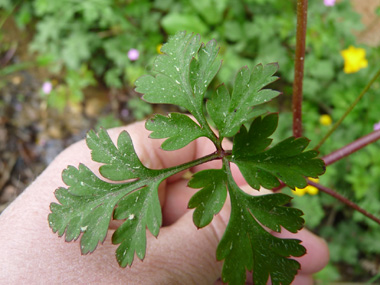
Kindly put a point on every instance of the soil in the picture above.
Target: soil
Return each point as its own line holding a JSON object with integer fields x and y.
{"x": 370, "y": 35}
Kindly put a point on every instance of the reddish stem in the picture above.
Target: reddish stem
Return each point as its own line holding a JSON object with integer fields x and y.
{"x": 344, "y": 200}
{"x": 299, "y": 67}
{"x": 351, "y": 148}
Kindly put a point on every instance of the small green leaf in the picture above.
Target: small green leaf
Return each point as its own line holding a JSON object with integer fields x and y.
{"x": 210, "y": 199}
{"x": 178, "y": 128}
{"x": 88, "y": 203}
{"x": 86, "y": 206}
{"x": 287, "y": 161}
{"x": 270, "y": 212}
{"x": 174, "y": 22}
{"x": 121, "y": 162}
{"x": 245, "y": 245}
{"x": 204, "y": 69}
{"x": 229, "y": 112}
{"x": 211, "y": 10}
{"x": 171, "y": 84}
{"x": 257, "y": 139}
{"x": 183, "y": 74}
{"x": 142, "y": 210}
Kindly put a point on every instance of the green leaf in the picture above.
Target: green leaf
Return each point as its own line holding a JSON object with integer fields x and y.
{"x": 178, "y": 128}
{"x": 77, "y": 48}
{"x": 257, "y": 139}
{"x": 142, "y": 210}
{"x": 88, "y": 203}
{"x": 270, "y": 212}
{"x": 175, "y": 22}
{"x": 229, "y": 112}
{"x": 181, "y": 78}
{"x": 121, "y": 162}
{"x": 210, "y": 199}
{"x": 210, "y": 10}
{"x": 287, "y": 161}
{"x": 245, "y": 245}
{"x": 86, "y": 206}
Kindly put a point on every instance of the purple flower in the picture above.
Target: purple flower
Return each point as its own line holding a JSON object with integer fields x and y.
{"x": 329, "y": 2}
{"x": 133, "y": 54}
{"x": 47, "y": 87}
{"x": 376, "y": 127}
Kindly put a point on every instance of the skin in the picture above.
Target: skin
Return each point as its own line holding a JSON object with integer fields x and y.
{"x": 182, "y": 254}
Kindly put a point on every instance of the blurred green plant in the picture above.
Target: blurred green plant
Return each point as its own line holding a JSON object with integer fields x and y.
{"x": 70, "y": 91}
{"x": 140, "y": 108}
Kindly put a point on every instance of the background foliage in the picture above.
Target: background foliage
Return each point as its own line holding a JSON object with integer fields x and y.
{"x": 86, "y": 43}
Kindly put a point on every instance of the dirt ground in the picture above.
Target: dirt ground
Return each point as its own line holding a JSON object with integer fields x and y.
{"x": 371, "y": 34}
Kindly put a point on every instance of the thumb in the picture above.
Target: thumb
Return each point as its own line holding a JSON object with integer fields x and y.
{"x": 187, "y": 254}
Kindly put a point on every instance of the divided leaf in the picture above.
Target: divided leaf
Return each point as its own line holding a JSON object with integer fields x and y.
{"x": 86, "y": 206}
{"x": 257, "y": 139}
{"x": 121, "y": 161}
{"x": 178, "y": 128}
{"x": 287, "y": 161}
{"x": 183, "y": 73}
{"x": 210, "y": 199}
{"x": 229, "y": 112}
{"x": 245, "y": 245}
{"x": 181, "y": 77}
{"x": 270, "y": 212}
{"x": 142, "y": 210}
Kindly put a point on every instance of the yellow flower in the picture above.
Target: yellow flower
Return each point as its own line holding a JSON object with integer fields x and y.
{"x": 308, "y": 189}
{"x": 299, "y": 191}
{"x": 325, "y": 120}
{"x": 354, "y": 59}
{"x": 158, "y": 49}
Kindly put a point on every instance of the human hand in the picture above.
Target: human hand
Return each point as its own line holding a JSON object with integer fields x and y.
{"x": 181, "y": 254}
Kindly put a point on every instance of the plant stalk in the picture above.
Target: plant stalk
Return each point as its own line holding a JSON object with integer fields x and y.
{"x": 351, "y": 148}
{"x": 337, "y": 124}
{"x": 299, "y": 67}
{"x": 175, "y": 169}
{"x": 344, "y": 200}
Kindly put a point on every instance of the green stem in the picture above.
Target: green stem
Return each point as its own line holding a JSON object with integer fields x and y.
{"x": 337, "y": 124}
{"x": 211, "y": 135}
{"x": 162, "y": 174}
{"x": 176, "y": 169}
{"x": 299, "y": 67}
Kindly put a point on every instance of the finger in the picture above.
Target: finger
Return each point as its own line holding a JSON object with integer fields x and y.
{"x": 303, "y": 280}
{"x": 184, "y": 245}
{"x": 176, "y": 202}
{"x": 180, "y": 255}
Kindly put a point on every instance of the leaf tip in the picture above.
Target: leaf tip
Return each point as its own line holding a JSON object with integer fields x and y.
{"x": 275, "y": 64}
